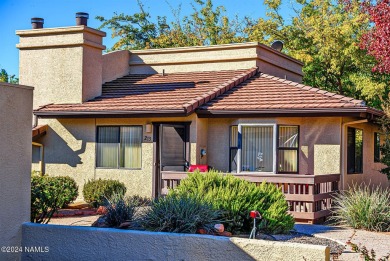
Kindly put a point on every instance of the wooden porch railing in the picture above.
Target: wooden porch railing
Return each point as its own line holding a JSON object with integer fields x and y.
{"x": 309, "y": 196}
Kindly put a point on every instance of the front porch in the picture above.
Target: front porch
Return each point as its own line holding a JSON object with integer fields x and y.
{"x": 309, "y": 196}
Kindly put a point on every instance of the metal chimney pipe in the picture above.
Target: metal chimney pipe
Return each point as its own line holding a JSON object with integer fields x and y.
{"x": 82, "y": 18}
{"x": 37, "y": 23}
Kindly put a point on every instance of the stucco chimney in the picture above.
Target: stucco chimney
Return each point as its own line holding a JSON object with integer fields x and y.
{"x": 82, "y": 18}
{"x": 63, "y": 64}
{"x": 37, "y": 23}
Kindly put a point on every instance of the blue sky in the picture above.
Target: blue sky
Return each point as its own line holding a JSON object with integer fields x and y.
{"x": 16, "y": 15}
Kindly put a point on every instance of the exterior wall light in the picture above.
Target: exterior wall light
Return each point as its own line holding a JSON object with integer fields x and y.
{"x": 148, "y": 128}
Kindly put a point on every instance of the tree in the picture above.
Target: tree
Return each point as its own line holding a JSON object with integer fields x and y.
{"x": 206, "y": 25}
{"x": 133, "y": 31}
{"x": 4, "y": 77}
{"x": 325, "y": 36}
{"x": 376, "y": 40}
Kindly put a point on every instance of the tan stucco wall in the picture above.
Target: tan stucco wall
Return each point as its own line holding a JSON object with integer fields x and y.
{"x": 70, "y": 150}
{"x": 319, "y": 142}
{"x": 213, "y": 58}
{"x": 63, "y": 64}
{"x": 15, "y": 164}
{"x": 371, "y": 174}
{"x": 115, "y": 65}
{"x": 56, "y": 80}
{"x": 201, "y": 140}
{"x": 122, "y": 244}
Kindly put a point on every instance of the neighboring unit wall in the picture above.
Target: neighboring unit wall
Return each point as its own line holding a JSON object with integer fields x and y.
{"x": 15, "y": 162}
{"x": 216, "y": 58}
{"x": 70, "y": 149}
{"x": 115, "y": 65}
{"x": 371, "y": 170}
{"x": 319, "y": 151}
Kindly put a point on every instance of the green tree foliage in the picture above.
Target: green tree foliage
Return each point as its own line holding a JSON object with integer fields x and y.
{"x": 385, "y": 139}
{"x": 206, "y": 25}
{"x": 4, "y": 77}
{"x": 325, "y": 35}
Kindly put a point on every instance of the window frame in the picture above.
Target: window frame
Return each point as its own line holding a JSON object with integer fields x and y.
{"x": 287, "y": 148}
{"x": 232, "y": 148}
{"x": 118, "y": 147}
{"x": 239, "y": 151}
{"x": 362, "y": 164}
{"x": 377, "y": 144}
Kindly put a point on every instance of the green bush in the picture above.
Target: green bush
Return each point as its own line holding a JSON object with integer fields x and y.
{"x": 95, "y": 191}
{"x": 236, "y": 198}
{"x": 362, "y": 207}
{"x": 120, "y": 210}
{"x": 180, "y": 214}
{"x": 48, "y": 194}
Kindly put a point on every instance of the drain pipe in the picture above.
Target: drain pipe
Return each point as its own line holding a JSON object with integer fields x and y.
{"x": 343, "y": 149}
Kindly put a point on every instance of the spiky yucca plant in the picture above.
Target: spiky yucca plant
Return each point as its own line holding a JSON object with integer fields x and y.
{"x": 363, "y": 207}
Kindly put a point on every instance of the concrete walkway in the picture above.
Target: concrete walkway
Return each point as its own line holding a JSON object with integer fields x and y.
{"x": 380, "y": 242}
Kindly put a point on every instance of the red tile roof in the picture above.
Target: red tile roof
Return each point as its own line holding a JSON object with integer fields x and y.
{"x": 180, "y": 92}
{"x": 39, "y": 131}
{"x": 221, "y": 92}
{"x": 266, "y": 93}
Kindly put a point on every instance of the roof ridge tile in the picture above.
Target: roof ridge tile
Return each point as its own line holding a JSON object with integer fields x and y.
{"x": 219, "y": 90}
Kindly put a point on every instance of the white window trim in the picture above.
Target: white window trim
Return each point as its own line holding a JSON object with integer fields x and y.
{"x": 240, "y": 147}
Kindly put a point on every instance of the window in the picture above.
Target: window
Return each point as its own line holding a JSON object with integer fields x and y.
{"x": 377, "y": 151}
{"x": 288, "y": 149}
{"x": 119, "y": 147}
{"x": 254, "y": 148}
{"x": 354, "y": 151}
{"x": 233, "y": 148}
{"x": 257, "y": 148}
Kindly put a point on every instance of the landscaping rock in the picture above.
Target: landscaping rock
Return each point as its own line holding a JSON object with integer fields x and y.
{"x": 219, "y": 228}
{"x": 225, "y": 234}
{"x": 100, "y": 222}
{"x": 202, "y": 231}
{"x": 101, "y": 210}
{"x": 125, "y": 225}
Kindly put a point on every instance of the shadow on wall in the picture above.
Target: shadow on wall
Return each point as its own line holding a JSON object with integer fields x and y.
{"x": 65, "y": 144}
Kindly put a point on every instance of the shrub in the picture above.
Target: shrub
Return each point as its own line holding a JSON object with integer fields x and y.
{"x": 95, "y": 191}
{"x": 236, "y": 198}
{"x": 180, "y": 214}
{"x": 120, "y": 210}
{"x": 363, "y": 208}
{"x": 48, "y": 194}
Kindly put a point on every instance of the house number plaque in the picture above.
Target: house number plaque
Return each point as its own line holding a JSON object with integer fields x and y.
{"x": 147, "y": 139}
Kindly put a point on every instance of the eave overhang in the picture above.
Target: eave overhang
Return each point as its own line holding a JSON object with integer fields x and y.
{"x": 111, "y": 114}
{"x": 363, "y": 112}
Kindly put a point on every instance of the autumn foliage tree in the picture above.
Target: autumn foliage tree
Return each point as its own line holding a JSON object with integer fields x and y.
{"x": 376, "y": 41}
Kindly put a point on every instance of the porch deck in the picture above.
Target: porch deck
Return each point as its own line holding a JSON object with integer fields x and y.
{"x": 309, "y": 196}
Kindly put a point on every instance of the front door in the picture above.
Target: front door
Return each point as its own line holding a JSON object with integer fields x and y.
{"x": 172, "y": 151}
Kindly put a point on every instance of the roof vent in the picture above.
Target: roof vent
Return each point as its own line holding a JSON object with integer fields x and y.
{"x": 82, "y": 18}
{"x": 277, "y": 45}
{"x": 37, "y": 23}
